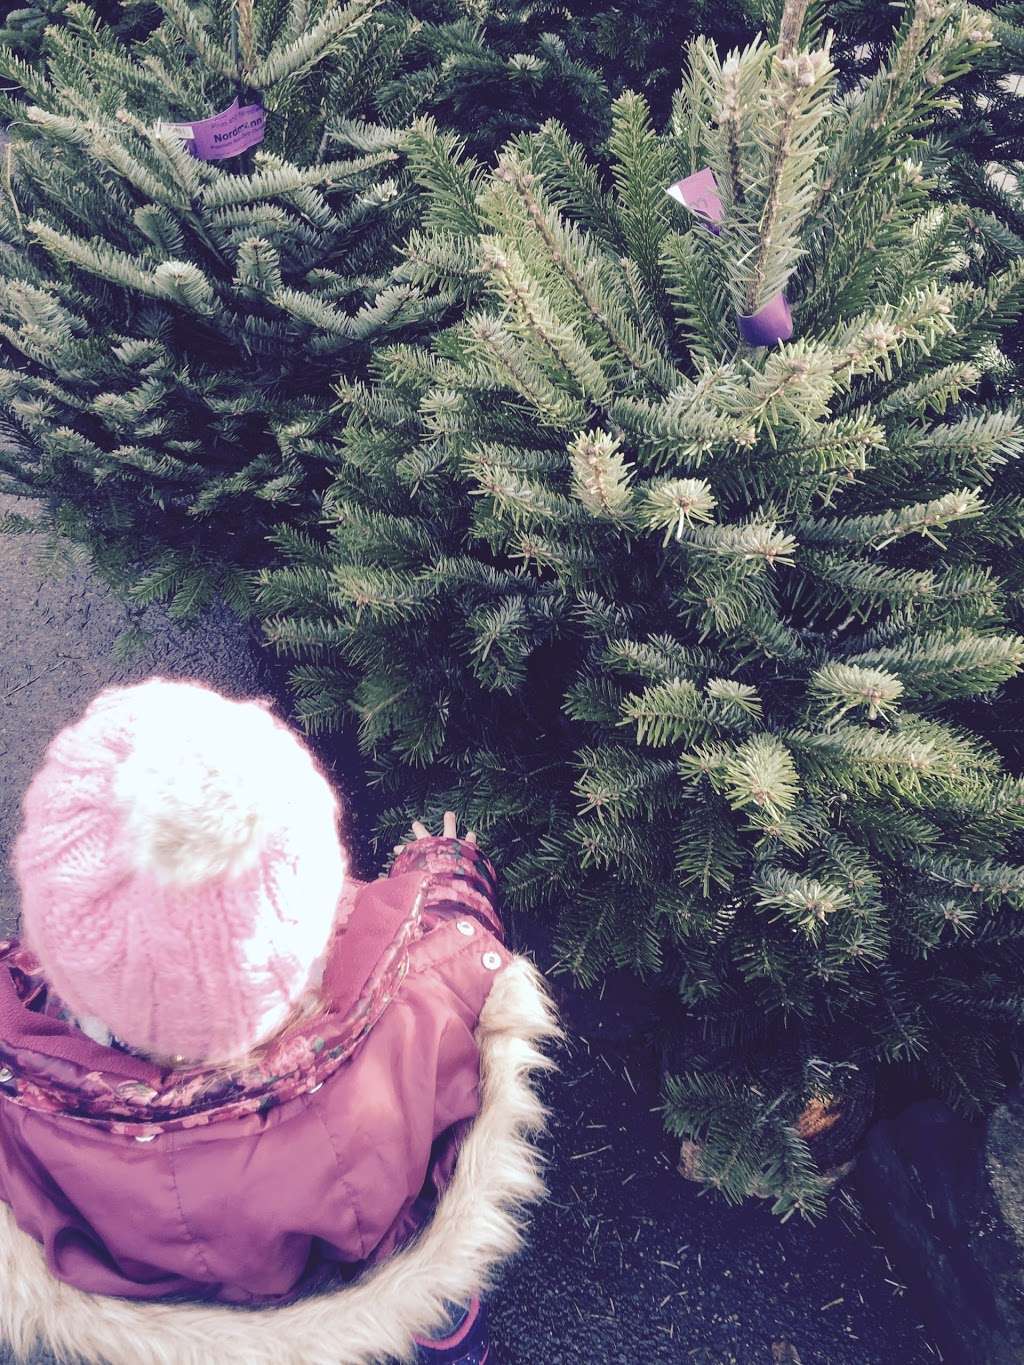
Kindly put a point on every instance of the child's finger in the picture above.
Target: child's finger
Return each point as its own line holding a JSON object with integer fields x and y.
{"x": 449, "y": 824}
{"x": 399, "y": 848}
{"x": 420, "y": 830}
{"x": 471, "y": 837}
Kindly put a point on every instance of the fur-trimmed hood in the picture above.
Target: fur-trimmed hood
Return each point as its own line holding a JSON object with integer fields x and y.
{"x": 478, "y": 1224}
{"x": 407, "y": 1166}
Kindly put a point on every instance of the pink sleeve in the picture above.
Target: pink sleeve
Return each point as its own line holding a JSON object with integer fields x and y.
{"x": 462, "y": 881}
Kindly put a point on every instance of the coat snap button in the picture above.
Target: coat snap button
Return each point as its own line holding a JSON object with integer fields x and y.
{"x": 492, "y": 961}
{"x": 6, "y": 1074}
{"x": 146, "y": 1137}
{"x": 464, "y": 927}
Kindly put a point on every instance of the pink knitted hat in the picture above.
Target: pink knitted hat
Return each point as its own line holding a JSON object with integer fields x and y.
{"x": 180, "y": 869}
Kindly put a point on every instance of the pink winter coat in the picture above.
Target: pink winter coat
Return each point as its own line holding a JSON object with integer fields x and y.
{"x": 331, "y": 1153}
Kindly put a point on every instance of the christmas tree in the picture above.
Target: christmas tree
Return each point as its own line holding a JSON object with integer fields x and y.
{"x": 173, "y": 316}
{"x": 669, "y": 564}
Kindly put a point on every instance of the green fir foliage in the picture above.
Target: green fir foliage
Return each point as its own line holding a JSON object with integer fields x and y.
{"x": 685, "y": 628}
{"x": 170, "y": 327}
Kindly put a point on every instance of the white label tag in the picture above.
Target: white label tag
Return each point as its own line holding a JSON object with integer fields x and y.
{"x": 184, "y": 130}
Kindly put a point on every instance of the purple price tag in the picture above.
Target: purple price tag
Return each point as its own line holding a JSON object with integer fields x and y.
{"x": 226, "y": 134}
{"x": 699, "y": 194}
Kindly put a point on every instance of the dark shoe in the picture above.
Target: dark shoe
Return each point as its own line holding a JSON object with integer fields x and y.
{"x": 466, "y": 1342}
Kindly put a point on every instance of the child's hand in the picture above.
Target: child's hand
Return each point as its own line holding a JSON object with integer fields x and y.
{"x": 447, "y": 832}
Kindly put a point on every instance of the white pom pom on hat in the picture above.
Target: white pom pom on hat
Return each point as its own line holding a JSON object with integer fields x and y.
{"x": 200, "y": 804}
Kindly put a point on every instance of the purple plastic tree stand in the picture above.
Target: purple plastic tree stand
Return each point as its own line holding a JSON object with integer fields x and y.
{"x": 771, "y": 324}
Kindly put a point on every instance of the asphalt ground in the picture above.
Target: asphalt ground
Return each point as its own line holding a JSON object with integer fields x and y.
{"x": 627, "y": 1263}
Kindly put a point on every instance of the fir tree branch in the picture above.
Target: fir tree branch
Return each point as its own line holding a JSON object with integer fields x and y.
{"x": 298, "y": 56}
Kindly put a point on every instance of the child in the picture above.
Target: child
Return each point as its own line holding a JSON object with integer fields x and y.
{"x": 230, "y": 1074}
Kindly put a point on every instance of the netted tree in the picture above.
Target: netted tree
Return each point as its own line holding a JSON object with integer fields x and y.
{"x": 683, "y": 623}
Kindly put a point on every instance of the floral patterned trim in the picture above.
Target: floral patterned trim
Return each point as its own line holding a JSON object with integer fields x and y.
{"x": 462, "y": 878}
{"x": 304, "y": 1057}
